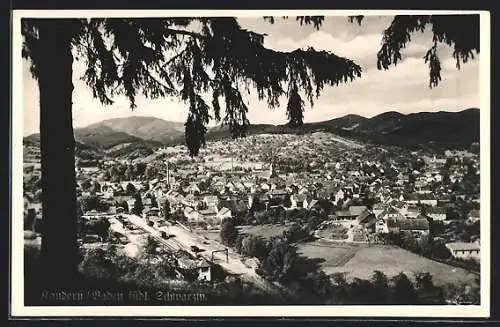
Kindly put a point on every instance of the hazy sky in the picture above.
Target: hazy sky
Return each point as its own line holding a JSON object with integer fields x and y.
{"x": 403, "y": 88}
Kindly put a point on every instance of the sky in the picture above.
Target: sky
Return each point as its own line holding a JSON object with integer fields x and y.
{"x": 402, "y": 88}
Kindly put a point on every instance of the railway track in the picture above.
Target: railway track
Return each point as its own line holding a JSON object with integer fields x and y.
{"x": 246, "y": 275}
{"x": 153, "y": 233}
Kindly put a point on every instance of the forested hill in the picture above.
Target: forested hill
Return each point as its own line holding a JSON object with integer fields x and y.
{"x": 448, "y": 129}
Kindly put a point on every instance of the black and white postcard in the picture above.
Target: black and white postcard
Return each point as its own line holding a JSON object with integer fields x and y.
{"x": 250, "y": 163}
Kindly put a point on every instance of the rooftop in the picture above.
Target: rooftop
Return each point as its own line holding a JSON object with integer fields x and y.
{"x": 463, "y": 246}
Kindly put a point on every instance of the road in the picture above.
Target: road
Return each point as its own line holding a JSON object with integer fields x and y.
{"x": 183, "y": 239}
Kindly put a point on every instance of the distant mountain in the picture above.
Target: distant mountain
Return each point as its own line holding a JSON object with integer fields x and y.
{"x": 82, "y": 150}
{"x": 146, "y": 128}
{"x": 102, "y": 137}
{"x": 383, "y": 123}
{"x": 452, "y": 129}
{"x": 448, "y": 129}
{"x": 348, "y": 122}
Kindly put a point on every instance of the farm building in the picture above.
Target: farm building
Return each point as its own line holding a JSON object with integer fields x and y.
{"x": 463, "y": 250}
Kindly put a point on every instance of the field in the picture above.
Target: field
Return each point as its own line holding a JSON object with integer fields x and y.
{"x": 265, "y": 231}
{"x": 336, "y": 232}
{"x": 361, "y": 260}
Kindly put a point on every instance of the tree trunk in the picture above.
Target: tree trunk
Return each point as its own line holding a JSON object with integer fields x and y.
{"x": 59, "y": 253}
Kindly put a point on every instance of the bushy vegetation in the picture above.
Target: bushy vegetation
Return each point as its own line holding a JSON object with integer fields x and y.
{"x": 278, "y": 261}
{"x": 425, "y": 245}
{"x": 228, "y": 233}
{"x": 98, "y": 227}
{"x": 111, "y": 270}
{"x": 94, "y": 203}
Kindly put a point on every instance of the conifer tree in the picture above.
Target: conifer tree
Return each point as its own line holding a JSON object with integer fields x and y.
{"x": 185, "y": 58}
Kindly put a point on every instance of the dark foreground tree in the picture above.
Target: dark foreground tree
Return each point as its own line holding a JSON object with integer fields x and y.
{"x": 52, "y": 65}
{"x": 184, "y": 57}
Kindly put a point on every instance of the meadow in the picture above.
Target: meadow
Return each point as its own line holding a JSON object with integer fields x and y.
{"x": 361, "y": 260}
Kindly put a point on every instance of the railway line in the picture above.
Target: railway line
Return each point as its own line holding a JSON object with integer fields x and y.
{"x": 183, "y": 239}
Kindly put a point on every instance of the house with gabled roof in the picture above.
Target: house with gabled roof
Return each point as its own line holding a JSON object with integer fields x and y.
{"x": 278, "y": 193}
{"x": 419, "y": 225}
{"x": 190, "y": 200}
{"x": 473, "y": 216}
{"x": 192, "y": 188}
{"x": 299, "y": 200}
{"x": 248, "y": 185}
{"x": 366, "y": 218}
{"x": 200, "y": 266}
{"x": 436, "y": 213}
{"x": 412, "y": 211}
{"x": 400, "y": 206}
{"x": 339, "y": 195}
{"x": 351, "y": 213}
{"x": 464, "y": 250}
{"x": 211, "y": 200}
{"x": 224, "y": 213}
{"x": 240, "y": 186}
{"x": 422, "y": 198}
{"x": 379, "y": 208}
{"x": 384, "y": 220}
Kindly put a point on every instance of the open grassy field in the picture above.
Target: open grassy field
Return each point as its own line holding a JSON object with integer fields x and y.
{"x": 266, "y": 231}
{"x": 361, "y": 260}
{"x": 337, "y": 232}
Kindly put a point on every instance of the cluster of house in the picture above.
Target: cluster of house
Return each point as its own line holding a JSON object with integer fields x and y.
{"x": 390, "y": 217}
{"x": 206, "y": 194}
{"x": 210, "y": 197}
{"x": 400, "y": 216}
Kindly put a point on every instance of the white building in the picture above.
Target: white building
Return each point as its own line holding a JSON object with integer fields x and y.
{"x": 463, "y": 250}
{"x": 436, "y": 213}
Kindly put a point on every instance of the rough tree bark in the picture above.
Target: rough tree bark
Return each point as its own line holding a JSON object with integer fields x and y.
{"x": 59, "y": 253}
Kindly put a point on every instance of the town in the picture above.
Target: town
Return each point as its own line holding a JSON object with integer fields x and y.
{"x": 332, "y": 198}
